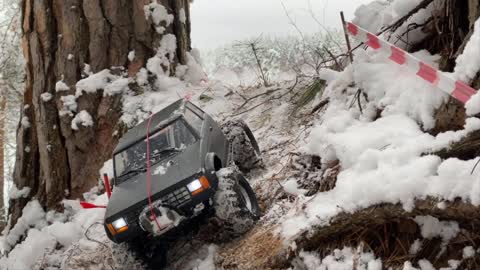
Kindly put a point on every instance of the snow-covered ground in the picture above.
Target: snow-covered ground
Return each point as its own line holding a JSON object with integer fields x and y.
{"x": 383, "y": 158}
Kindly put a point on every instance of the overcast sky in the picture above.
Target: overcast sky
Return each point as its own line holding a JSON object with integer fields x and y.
{"x": 216, "y": 22}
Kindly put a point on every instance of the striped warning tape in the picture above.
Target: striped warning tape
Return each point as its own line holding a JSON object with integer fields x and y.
{"x": 457, "y": 89}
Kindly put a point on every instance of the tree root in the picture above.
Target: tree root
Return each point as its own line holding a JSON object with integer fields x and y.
{"x": 388, "y": 231}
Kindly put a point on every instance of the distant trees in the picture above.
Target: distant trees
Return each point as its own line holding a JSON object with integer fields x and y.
{"x": 305, "y": 55}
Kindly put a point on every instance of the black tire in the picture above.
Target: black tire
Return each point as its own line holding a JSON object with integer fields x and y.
{"x": 243, "y": 146}
{"x": 236, "y": 205}
{"x": 147, "y": 253}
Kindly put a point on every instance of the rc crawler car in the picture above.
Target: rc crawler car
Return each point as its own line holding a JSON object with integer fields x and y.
{"x": 196, "y": 168}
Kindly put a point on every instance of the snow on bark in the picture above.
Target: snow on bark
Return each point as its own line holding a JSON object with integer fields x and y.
{"x": 183, "y": 16}
{"x": 83, "y": 118}
{"x": 94, "y": 82}
{"x": 25, "y": 122}
{"x": 158, "y": 14}
{"x": 46, "y": 97}
{"x": 70, "y": 105}
{"x": 131, "y": 56}
{"x": 16, "y": 193}
{"x": 61, "y": 86}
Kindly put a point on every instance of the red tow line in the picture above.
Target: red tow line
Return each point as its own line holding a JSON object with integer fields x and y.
{"x": 106, "y": 182}
{"x": 149, "y": 191}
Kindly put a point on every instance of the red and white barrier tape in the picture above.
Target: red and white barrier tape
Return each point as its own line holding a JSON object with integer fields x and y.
{"x": 457, "y": 89}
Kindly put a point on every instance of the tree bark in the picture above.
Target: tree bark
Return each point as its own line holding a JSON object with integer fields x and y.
{"x": 3, "y": 103}
{"x": 59, "y": 38}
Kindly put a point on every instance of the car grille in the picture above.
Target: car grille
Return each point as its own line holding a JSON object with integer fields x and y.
{"x": 177, "y": 197}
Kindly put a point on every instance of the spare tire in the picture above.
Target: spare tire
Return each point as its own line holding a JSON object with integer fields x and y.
{"x": 235, "y": 203}
{"x": 244, "y": 150}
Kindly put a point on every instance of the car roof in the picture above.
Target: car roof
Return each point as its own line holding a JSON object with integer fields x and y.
{"x": 137, "y": 133}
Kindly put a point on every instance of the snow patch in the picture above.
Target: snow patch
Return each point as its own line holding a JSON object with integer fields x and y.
{"x": 65, "y": 233}
{"x": 468, "y": 252}
{"x": 341, "y": 259}
{"x": 160, "y": 170}
{"x": 384, "y": 161}
{"x": 94, "y": 82}
{"x": 107, "y": 168}
{"x": 182, "y": 16}
{"x": 432, "y": 227}
{"x": 208, "y": 263}
{"x": 131, "y": 56}
{"x": 32, "y": 216}
{"x": 194, "y": 72}
{"x": 69, "y": 105}
{"x": 46, "y": 97}
{"x": 159, "y": 14}
{"x": 291, "y": 187}
{"x": 25, "y": 122}
{"x": 61, "y": 86}
{"x": 415, "y": 247}
{"x": 118, "y": 86}
{"x": 468, "y": 63}
{"x": 16, "y": 193}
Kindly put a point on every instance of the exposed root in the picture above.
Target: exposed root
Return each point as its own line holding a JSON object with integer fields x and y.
{"x": 466, "y": 149}
{"x": 389, "y": 231}
{"x": 255, "y": 251}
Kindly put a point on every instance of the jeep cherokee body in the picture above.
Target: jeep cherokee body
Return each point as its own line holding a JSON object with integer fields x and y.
{"x": 187, "y": 147}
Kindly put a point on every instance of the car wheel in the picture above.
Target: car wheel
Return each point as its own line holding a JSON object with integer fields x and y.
{"x": 236, "y": 205}
{"x": 142, "y": 253}
{"x": 244, "y": 149}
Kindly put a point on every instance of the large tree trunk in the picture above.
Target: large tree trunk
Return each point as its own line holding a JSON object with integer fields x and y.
{"x": 60, "y": 38}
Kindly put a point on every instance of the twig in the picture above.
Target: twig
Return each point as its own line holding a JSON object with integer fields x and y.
{"x": 400, "y": 21}
{"x": 91, "y": 239}
{"x": 346, "y": 36}
{"x": 358, "y": 100}
{"x": 339, "y": 67}
{"x": 320, "y": 105}
{"x": 274, "y": 98}
{"x": 356, "y": 97}
{"x": 246, "y": 100}
{"x": 312, "y": 14}
{"x": 254, "y": 47}
{"x": 474, "y": 167}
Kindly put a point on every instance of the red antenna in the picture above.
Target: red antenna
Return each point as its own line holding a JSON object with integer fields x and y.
{"x": 106, "y": 182}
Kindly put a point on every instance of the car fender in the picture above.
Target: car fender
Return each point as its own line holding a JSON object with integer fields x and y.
{"x": 212, "y": 164}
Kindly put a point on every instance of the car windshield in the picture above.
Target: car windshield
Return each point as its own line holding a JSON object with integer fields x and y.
{"x": 163, "y": 144}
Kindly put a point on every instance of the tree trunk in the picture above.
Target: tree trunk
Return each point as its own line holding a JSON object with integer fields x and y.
{"x": 59, "y": 38}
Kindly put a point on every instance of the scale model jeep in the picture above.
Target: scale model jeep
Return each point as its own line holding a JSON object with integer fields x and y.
{"x": 195, "y": 168}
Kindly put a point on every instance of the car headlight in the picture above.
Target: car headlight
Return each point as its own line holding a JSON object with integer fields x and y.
{"x": 198, "y": 185}
{"x": 119, "y": 223}
{"x": 118, "y": 226}
{"x": 194, "y": 185}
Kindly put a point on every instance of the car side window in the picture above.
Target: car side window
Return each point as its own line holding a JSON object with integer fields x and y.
{"x": 193, "y": 119}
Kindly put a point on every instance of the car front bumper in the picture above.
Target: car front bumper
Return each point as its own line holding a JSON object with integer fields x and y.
{"x": 187, "y": 208}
